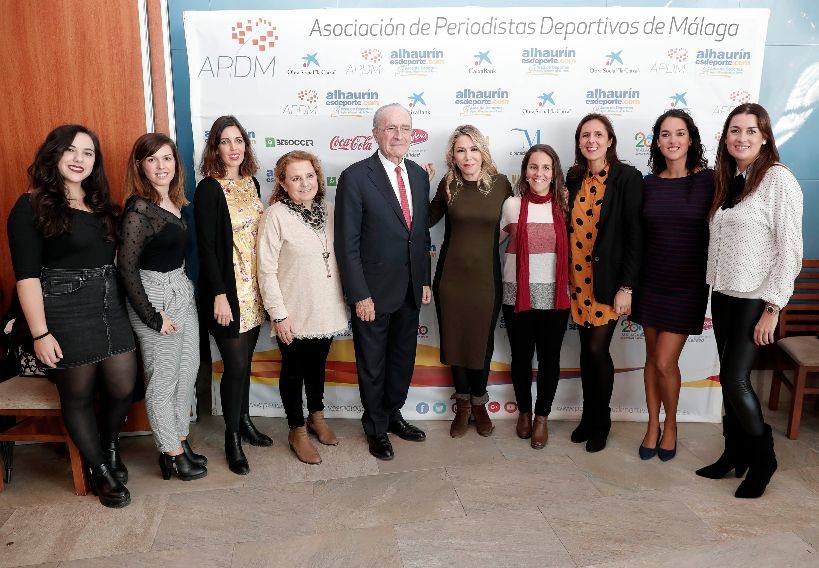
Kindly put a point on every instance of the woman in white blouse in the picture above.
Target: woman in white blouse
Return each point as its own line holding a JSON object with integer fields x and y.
{"x": 754, "y": 256}
{"x": 301, "y": 290}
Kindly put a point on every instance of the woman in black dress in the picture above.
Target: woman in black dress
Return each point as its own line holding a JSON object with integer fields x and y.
{"x": 672, "y": 296}
{"x": 62, "y": 239}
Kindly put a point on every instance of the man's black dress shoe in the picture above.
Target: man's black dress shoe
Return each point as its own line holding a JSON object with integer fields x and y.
{"x": 406, "y": 431}
{"x": 380, "y": 446}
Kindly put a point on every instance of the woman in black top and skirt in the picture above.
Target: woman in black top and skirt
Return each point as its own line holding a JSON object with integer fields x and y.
{"x": 672, "y": 296}
{"x": 62, "y": 240}
{"x": 227, "y": 211}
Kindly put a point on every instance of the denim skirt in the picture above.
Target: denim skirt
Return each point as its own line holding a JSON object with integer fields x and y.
{"x": 85, "y": 312}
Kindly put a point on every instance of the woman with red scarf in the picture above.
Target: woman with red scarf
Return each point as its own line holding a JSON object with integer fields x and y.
{"x": 535, "y": 285}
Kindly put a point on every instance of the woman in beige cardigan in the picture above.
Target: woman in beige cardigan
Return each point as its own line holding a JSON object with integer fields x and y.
{"x": 301, "y": 290}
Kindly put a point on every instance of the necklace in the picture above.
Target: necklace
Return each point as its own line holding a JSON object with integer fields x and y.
{"x": 326, "y": 254}
{"x": 314, "y": 219}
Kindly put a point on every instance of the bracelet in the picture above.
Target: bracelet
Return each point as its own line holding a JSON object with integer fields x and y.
{"x": 626, "y": 289}
{"x": 280, "y": 320}
{"x": 41, "y": 336}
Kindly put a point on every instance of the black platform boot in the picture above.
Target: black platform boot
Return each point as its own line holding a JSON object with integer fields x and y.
{"x": 181, "y": 467}
{"x": 760, "y": 452}
{"x": 192, "y": 456}
{"x": 600, "y": 431}
{"x": 250, "y": 434}
{"x": 113, "y": 459}
{"x": 108, "y": 488}
{"x": 237, "y": 462}
{"x": 732, "y": 457}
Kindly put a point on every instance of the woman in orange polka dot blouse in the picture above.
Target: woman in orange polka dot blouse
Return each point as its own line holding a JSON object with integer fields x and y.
{"x": 605, "y": 247}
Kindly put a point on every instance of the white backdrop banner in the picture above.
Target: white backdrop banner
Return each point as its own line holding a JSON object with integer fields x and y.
{"x": 311, "y": 79}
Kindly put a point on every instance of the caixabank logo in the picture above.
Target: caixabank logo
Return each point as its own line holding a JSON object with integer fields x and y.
{"x": 351, "y": 103}
{"x": 309, "y": 64}
{"x": 719, "y": 63}
{"x": 253, "y": 40}
{"x": 416, "y": 62}
{"x": 417, "y": 104}
{"x": 303, "y": 103}
{"x": 548, "y": 61}
{"x": 369, "y": 62}
{"x": 674, "y": 62}
{"x": 481, "y": 102}
{"x": 546, "y": 103}
{"x": 481, "y": 64}
{"x": 678, "y": 100}
{"x": 613, "y": 63}
{"x": 613, "y": 101}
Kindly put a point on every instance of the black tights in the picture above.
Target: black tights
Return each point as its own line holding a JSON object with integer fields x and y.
{"x": 596, "y": 368}
{"x": 734, "y": 322}
{"x": 77, "y": 387}
{"x": 234, "y": 389}
{"x": 303, "y": 363}
{"x": 470, "y": 381}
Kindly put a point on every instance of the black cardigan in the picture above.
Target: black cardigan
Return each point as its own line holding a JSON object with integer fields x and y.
{"x": 618, "y": 248}
{"x": 214, "y": 241}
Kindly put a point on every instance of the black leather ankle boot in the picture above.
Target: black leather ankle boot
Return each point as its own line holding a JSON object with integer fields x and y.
{"x": 192, "y": 456}
{"x": 108, "y": 488}
{"x": 113, "y": 459}
{"x": 250, "y": 434}
{"x": 237, "y": 462}
{"x": 181, "y": 467}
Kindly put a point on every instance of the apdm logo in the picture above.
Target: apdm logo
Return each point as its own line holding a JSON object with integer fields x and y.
{"x": 309, "y": 65}
{"x": 546, "y": 103}
{"x": 416, "y": 62}
{"x": 716, "y": 63}
{"x": 481, "y": 63}
{"x": 730, "y": 102}
{"x": 255, "y": 39}
{"x": 478, "y": 102}
{"x": 613, "y": 63}
{"x": 368, "y": 63}
{"x": 418, "y": 104}
{"x": 613, "y": 101}
{"x": 351, "y": 103}
{"x": 305, "y": 104}
{"x": 260, "y": 33}
{"x": 675, "y": 62}
{"x": 548, "y": 61}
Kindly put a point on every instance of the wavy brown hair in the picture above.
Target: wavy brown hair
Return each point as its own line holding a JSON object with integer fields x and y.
{"x": 580, "y": 166}
{"x": 212, "y": 164}
{"x": 48, "y": 190}
{"x": 488, "y": 168}
{"x": 556, "y": 186}
{"x": 694, "y": 158}
{"x": 725, "y": 165}
{"x": 279, "y": 192}
{"x": 136, "y": 183}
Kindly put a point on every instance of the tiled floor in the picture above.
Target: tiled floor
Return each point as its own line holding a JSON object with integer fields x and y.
{"x": 470, "y": 502}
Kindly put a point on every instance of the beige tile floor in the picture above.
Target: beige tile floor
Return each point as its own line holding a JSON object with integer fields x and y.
{"x": 470, "y": 502}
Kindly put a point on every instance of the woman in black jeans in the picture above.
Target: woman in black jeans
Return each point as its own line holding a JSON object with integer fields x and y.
{"x": 754, "y": 256}
{"x": 605, "y": 244}
{"x": 227, "y": 210}
{"x": 62, "y": 240}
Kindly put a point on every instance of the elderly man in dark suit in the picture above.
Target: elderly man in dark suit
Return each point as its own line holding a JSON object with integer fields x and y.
{"x": 382, "y": 248}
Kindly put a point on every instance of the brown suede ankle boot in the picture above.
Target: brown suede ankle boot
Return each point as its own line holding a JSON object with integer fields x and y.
{"x": 302, "y": 446}
{"x": 540, "y": 432}
{"x": 317, "y": 425}
{"x": 524, "y": 426}
{"x": 460, "y": 424}
{"x": 483, "y": 424}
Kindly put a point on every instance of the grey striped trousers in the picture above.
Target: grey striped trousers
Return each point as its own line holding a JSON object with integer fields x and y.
{"x": 171, "y": 361}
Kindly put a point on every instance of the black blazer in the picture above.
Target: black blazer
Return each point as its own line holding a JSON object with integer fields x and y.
{"x": 214, "y": 242}
{"x": 618, "y": 248}
{"x": 377, "y": 254}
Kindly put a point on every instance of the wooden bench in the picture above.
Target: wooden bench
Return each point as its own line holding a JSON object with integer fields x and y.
{"x": 35, "y": 404}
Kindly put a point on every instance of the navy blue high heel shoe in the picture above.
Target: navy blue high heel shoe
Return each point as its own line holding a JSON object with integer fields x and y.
{"x": 664, "y": 454}
{"x": 648, "y": 453}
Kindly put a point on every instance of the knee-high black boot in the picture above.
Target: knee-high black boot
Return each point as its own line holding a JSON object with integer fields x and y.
{"x": 762, "y": 460}
{"x": 733, "y": 457}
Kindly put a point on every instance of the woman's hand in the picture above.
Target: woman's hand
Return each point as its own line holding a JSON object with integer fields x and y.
{"x": 622, "y": 303}
{"x": 430, "y": 169}
{"x": 765, "y": 327}
{"x": 48, "y": 351}
{"x": 221, "y": 310}
{"x": 168, "y": 325}
{"x": 284, "y": 330}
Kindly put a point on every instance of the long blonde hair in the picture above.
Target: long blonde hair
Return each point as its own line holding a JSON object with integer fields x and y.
{"x": 488, "y": 168}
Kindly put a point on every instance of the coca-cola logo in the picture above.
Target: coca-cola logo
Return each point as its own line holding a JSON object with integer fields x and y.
{"x": 708, "y": 324}
{"x": 363, "y": 143}
{"x": 418, "y": 136}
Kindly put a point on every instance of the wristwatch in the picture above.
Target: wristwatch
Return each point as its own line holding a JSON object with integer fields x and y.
{"x": 771, "y": 308}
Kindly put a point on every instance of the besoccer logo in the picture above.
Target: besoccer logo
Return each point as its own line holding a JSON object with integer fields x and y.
{"x": 259, "y": 32}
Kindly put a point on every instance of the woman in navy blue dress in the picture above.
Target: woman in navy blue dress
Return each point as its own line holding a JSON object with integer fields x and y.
{"x": 671, "y": 299}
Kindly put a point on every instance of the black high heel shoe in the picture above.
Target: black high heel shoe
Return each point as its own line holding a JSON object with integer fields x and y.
{"x": 111, "y": 492}
{"x": 237, "y": 462}
{"x": 192, "y": 456}
{"x": 181, "y": 467}
{"x": 113, "y": 460}
{"x": 648, "y": 453}
{"x": 251, "y": 434}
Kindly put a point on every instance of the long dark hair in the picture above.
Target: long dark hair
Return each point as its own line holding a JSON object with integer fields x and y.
{"x": 212, "y": 164}
{"x": 694, "y": 159}
{"x": 48, "y": 191}
{"x": 556, "y": 186}
{"x": 725, "y": 165}
{"x": 135, "y": 181}
{"x": 580, "y": 166}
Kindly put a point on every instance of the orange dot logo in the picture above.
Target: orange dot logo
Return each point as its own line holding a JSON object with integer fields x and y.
{"x": 260, "y": 33}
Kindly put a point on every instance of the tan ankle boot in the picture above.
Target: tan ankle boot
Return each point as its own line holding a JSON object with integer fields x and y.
{"x": 483, "y": 424}
{"x": 317, "y": 425}
{"x": 302, "y": 446}
{"x": 540, "y": 432}
{"x": 524, "y": 426}
{"x": 460, "y": 424}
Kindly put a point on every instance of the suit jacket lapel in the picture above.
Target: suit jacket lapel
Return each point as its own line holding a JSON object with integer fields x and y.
{"x": 381, "y": 181}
